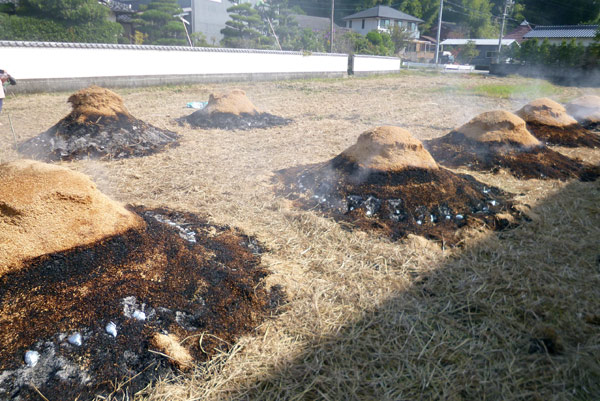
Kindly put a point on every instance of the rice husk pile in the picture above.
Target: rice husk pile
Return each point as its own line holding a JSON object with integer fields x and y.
{"x": 98, "y": 127}
{"x": 232, "y": 110}
{"x": 46, "y": 208}
{"x": 586, "y": 109}
{"x": 94, "y": 102}
{"x": 106, "y": 295}
{"x": 233, "y": 102}
{"x": 548, "y": 121}
{"x": 389, "y": 149}
{"x": 499, "y": 139}
{"x": 388, "y": 183}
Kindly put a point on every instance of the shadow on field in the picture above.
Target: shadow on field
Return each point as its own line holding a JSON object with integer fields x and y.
{"x": 513, "y": 316}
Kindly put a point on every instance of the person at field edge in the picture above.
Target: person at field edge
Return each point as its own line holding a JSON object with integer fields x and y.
{"x": 4, "y": 77}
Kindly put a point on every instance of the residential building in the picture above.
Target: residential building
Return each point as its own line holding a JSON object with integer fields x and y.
{"x": 488, "y": 49}
{"x": 382, "y": 18}
{"x": 556, "y": 34}
{"x": 209, "y": 16}
{"x": 122, "y": 13}
{"x": 519, "y": 32}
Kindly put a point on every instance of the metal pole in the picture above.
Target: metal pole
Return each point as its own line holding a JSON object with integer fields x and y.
{"x": 502, "y": 30}
{"x": 13, "y": 131}
{"x": 332, "y": 32}
{"x": 439, "y": 31}
{"x": 274, "y": 34}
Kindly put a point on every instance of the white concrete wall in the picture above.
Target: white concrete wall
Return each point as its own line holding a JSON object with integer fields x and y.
{"x": 50, "y": 67}
{"x": 367, "y": 64}
{"x": 25, "y": 62}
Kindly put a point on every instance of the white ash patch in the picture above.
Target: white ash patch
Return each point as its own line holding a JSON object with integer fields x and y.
{"x": 49, "y": 366}
{"x": 184, "y": 232}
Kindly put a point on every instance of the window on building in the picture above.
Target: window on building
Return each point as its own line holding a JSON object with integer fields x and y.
{"x": 491, "y": 54}
{"x": 413, "y": 26}
{"x": 384, "y": 23}
{"x": 350, "y": 24}
{"x": 363, "y": 24}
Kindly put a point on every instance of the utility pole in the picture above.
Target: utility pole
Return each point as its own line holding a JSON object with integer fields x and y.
{"x": 331, "y": 32}
{"x": 507, "y": 3}
{"x": 439, "y": 31}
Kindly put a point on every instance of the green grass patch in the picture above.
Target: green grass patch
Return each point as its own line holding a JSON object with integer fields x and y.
{"x": 527, "y": 89}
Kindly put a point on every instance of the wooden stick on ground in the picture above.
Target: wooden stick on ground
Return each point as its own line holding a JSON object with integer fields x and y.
{"x": 13, "y": 130}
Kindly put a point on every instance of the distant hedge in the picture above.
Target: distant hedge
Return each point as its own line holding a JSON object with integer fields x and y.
{"x": 567, "y": 54}
{"x": 13, "y": 27}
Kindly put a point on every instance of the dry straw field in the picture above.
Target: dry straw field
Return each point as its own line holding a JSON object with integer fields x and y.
{"x": 511, "y": 315}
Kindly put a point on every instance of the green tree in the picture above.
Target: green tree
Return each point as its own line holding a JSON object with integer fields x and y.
{"x": 310, "y": 40}
{"x": 158, "y": 21}
{"x": 199, "y": 39}
{"x": 276, "y": 14}
{"x": 570, "y": 12}
{"x": 245, "y": 29}
{"x": 400, "y": 37}
{"x": 59, "y": 20}
{"x": 568, "y": 54}
{"x": 468, "y": 52}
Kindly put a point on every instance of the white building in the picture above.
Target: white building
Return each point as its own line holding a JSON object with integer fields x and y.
{"x": 209, "y": 16}
{"x": 382, "y": 18}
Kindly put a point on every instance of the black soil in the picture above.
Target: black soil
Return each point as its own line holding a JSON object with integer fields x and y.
{"x": 187, "y": 276}
{"x": 570, "y": 136}
{"x": 432, "y": 203}
{"x": 99, "y": 137}
{"x": 456, "y": 150}
{"x": 229, "y": 121}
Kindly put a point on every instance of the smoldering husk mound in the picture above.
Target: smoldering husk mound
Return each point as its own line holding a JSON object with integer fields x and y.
{"x": 232, "y": 110}
{"x": 172, "y": 288}
{"x": 548, "y": 121}
{"x": 98, "y": 127}
{"x": 500, "y": 140}
{"x": 389, "y": 183}
{"x": 586, "y": 110}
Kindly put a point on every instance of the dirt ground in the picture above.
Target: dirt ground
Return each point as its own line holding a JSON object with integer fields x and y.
{"x": 509, "y": 315}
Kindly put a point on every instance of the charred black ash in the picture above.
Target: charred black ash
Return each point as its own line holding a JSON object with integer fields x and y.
{"x": 229, "y": 121}
{"x": 75, "y": 321}
{"x": 105, "y": 138}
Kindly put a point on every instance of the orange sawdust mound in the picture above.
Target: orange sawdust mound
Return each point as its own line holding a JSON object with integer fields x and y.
{"x": 93, "y": 102}
{"x": 232, "y": 111}
{"x": 46, "y": 208}
{"x": 549, "y": 122}
{"x": 389, "y": 149}
{"x": 232, "y": 102}
{"x": 585, "y": 109}
{"x": 388, "y": 183}
{"x": 500, "y": 127}
{"x": 546, "y": 111}
{"x": 498, "y": 140}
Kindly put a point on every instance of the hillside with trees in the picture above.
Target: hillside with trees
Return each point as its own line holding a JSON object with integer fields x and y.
{"x": 58, "y": 21}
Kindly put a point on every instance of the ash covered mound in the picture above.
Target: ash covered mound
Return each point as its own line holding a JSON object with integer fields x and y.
{"x": 98, "y": 127}
{"x": 46, "y": 208}
{"x": 499, "y": 139}
{"x": 586, "y": 109}
{"x": 548, "y": 121}
{"x": 169, "y": 292}
{"x": 231, "y": 111}
{"x": 389, "y": 183}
